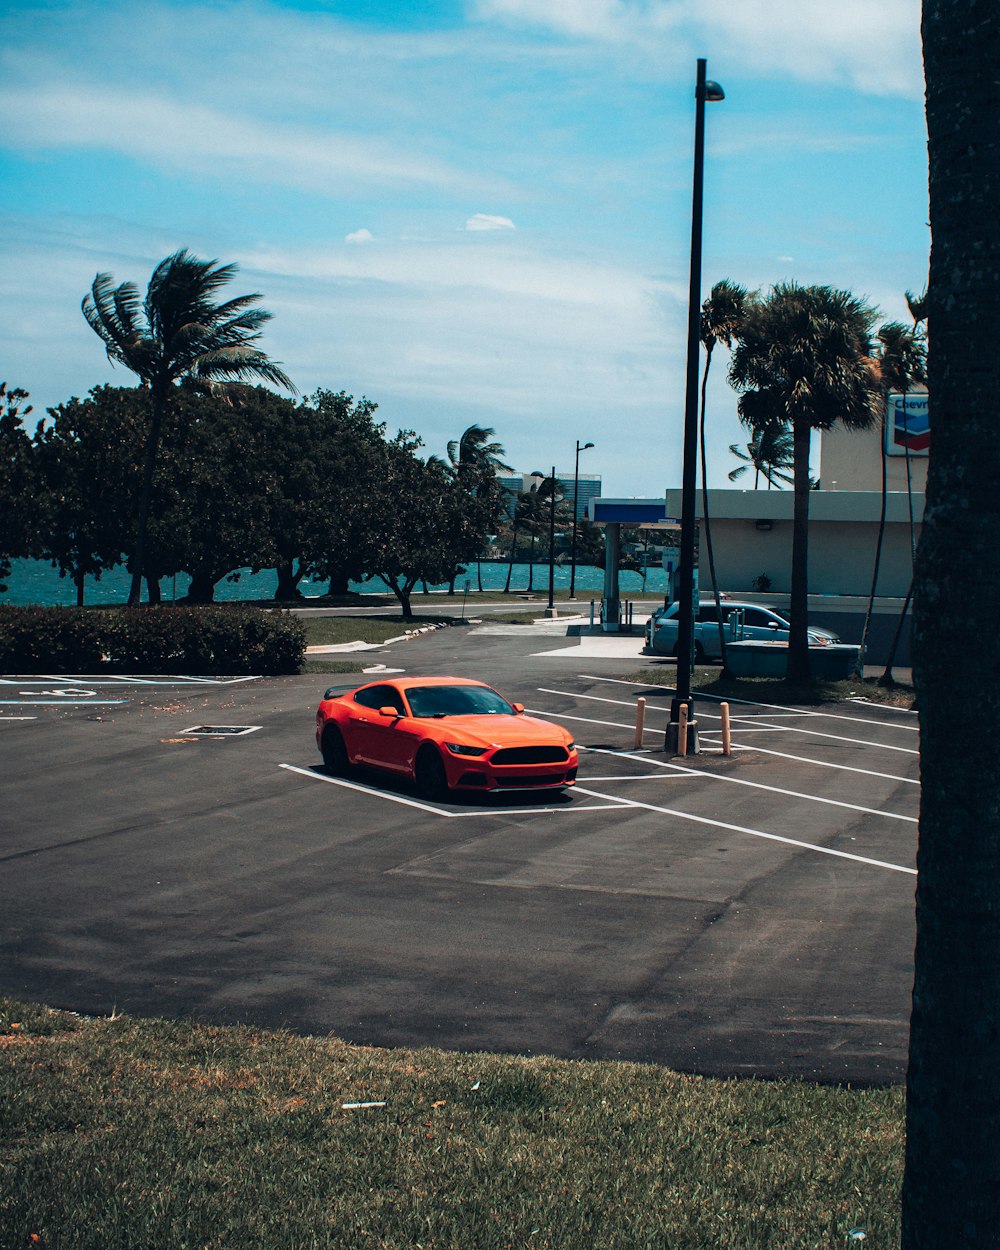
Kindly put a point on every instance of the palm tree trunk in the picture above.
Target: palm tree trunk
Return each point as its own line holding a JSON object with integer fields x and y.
{"x": 798, "y": 639}
{"x": 860, "y": 670}
{"x": 513, "y": 554}
{"x": 887, "y": 678}
{"x": 704, "y": 509}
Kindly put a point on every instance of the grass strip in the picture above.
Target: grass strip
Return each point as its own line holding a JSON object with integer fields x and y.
{"x": 124, "y": 1133}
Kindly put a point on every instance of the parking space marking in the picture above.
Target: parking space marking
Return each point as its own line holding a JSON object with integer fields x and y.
{"x": 437, "y": 811}
{"x": 759, "y": 833}
{"x": 742, "y": 781}
{"x": 801, "y": 759}
{"x": 718, "y": 698}
{"x": 793, "y": 729}
{"x": 59, "y": 702}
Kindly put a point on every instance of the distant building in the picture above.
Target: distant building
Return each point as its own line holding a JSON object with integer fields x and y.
{"x": 588, "y": 487}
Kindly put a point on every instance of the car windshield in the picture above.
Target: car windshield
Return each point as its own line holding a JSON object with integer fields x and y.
{"x": 457, "y": 701}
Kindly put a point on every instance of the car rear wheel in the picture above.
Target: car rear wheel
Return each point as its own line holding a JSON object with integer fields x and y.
{"x": 699, "y": 653}
{"x": 432, "y": 780}
{"x": 334, "y": 752}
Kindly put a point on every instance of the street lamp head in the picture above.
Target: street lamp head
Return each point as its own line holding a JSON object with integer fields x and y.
{"x": 585, "y": 446}
{"x": 713, "y": 92}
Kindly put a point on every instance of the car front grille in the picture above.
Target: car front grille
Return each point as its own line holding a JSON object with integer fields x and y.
{"x": 530, "y": 755}
{"x": 529, "y": 781}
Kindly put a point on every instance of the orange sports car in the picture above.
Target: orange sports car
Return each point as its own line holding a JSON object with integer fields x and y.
{"x": 445, "y": 733}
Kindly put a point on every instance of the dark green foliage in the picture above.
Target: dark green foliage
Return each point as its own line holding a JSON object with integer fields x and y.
{"x": 224, "y": 640}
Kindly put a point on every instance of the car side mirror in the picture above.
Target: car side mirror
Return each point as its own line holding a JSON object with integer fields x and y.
{"x": 518, "y": 708}
{"x": 390, "y": 712}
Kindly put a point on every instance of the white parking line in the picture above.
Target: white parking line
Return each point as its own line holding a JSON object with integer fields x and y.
{"x": 801, "y": 759}
{"x": 742, "y": 781}
{"x": 718, "y": 698}
{"x": 437, "y": 811}
{"x": 759, "y": 833}
{"x": 844, "y": 768}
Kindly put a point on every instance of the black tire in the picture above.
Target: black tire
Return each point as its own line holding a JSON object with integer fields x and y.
{"x": 334, "y": 752}
{"x": 432, "y": 780}
{"x": 699, "y": 653}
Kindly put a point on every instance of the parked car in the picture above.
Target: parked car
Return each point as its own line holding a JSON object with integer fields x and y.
{"x": 444, "y": 733}
{"x": 755, "y": 623}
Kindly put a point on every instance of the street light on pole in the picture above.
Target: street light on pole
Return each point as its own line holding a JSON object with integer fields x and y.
{"x": 576, "y": 490}
{"x": 705, "y": 91}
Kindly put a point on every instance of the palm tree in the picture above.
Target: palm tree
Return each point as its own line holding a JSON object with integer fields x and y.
{"x": 769, "y": 454}
{"x": 177, "y": 332}
{"x": 476, "y": 458}
{"x": 721, "y": 318}
{"x": 951, "y": 1180}
{"x": 803, "y": 352}
{"x": 900, "y": 362}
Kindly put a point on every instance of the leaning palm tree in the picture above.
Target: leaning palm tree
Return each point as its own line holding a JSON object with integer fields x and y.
{"x": 177, "y": 332}
{"x": 769, "y": 454}
{"x": 803, "y": 351}
{"x": 476, "y": 459}
{"x": 721, "y": 317}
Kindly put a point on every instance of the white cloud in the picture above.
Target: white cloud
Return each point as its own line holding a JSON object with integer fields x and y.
{"x": 203, "y": 140}
{"x": 359, "y": 236}
{"x": 874, "y": 47}
{"x": 488, "y": 221}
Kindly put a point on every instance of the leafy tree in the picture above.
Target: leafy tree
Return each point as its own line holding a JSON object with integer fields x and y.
{"x": 804, "y": 352}
{"x": 951, "y": 1183}
{"x": 349, "y": 444}
{"x": 178, "y": 331}
{"x": 17, "y": 480}
{"x": 420, "y": 520}
{"x": 88, "y": 456}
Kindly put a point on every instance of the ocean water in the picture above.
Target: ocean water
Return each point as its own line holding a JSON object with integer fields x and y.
{"x": 35, "y": 582}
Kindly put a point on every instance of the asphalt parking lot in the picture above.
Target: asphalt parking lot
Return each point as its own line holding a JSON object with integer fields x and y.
{"x": 742, "y": 915}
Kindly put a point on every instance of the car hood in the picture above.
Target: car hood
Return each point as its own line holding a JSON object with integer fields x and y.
{"x": 500, "y": 731}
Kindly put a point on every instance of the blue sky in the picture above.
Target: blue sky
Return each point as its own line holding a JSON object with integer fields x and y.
{"x": 468, "y": 212}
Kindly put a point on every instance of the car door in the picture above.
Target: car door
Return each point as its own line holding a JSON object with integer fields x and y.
{"x": 759, "y": 625}
{"x": 383, "y": 741}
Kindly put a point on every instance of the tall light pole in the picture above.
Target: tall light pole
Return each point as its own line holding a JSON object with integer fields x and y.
{"x": 576, "y": 490}
{"x": 704, "y": 91}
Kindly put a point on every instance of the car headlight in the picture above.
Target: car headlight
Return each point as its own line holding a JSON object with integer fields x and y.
{"x": 459, "y": 748}
{"x": 570, "y": 746}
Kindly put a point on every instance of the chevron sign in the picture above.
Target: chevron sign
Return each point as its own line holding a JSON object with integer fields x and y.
{"x": 909, "y": 427}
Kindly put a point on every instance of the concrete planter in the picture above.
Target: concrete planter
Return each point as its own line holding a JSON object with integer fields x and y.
{"x": 770, "y": 659}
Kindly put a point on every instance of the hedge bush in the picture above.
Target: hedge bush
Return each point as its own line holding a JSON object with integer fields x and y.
{"x": 211, "y": 641}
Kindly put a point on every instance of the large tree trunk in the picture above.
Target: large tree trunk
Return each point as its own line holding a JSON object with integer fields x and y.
{"x": 798, "y": 640}
{"x": 202, "y": 588}
{"x": 288, "y": 581}
{"x": 951, "y": 1187}
{"x": 158, "y": 404}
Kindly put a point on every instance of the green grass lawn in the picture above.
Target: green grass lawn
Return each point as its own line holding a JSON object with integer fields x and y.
{"x": 120, "y": 1134}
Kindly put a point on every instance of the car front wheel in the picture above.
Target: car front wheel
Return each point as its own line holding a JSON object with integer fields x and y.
{"x": 432, "y": 780}
{"x": 334, "y": 752}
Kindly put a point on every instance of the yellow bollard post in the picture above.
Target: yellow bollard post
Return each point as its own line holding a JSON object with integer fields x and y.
{"x": 727, "y": 742}
{"x": 682, "y": 729}
{"x": 640, "y": 721}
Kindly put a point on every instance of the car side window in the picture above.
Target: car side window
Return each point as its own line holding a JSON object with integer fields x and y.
{"x": 380, "y": 696}
{"x": 707, "y": 614}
